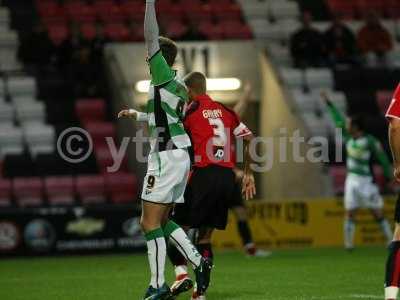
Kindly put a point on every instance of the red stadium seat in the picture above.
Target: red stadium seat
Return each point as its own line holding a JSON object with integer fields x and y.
{"x": 175, "y": 29}
{"x": 5, "y": 192}
{"x": 80, "y": 12}
{"x": 88, "y": 31}
{"x": 28, "y": 191}
{"x": 60, "y": 190}
{"x": 90, "y": 110}
{"x": 121, "y": 187}
{"x": 58, "y": 33}
{"x": 224, "y": 11}
{"x": 133, "y": 11}
{"x": 105, "y": 160}
{"x": 345, "y": 8}
{"x": 99, "y": 131}
{"x": 383, "y": 99}
{"x": 338, "y": 174}
{"x": 236, "y": 30}
{"x": 110, "y": 13}
{"x": 199, "y": 13}
{"x": 211, "y": 31}
{"x": 91, "y": 189}
{"x": 364, "y": 7}
{"x": 117, "y": 32}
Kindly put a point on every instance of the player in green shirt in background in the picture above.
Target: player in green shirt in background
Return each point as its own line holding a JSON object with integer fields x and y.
{"x": 168, "y": 163}
{"x": 360, "y": 189}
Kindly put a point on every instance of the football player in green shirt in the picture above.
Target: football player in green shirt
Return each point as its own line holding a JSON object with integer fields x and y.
{"x": 360, "y": 189}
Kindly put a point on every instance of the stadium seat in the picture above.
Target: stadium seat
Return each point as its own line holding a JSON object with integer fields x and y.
{"x": 254, "y": 10}
{"x": 116, "y": 31}
{"x": 175, "y": 29}
{"x": 293, "y": 78}
{"x": 79, "y": 11}
{"x": 91, "y": 189}
{"x": 88, "y": 30}
{"x": 284, "y": 9}
{"x": 58, "y": 33}
{"x": 5, "y": 192}
{"x": 226, "y": 11}
{"x": 121, "y": 187}
{"x": 60, "y": 190}
{"x": 133, "y": 10}
{"x": 319, "y": 79}
{"x": 51, "y": 164}
{"x": 40, "y": 138}
{"x": 236, "y": 30}
{"x": 99, "y": 131}
{"x": 199, "y": 13}
{"x": 338, "y": 98}
{"x": 318, "y": 126}
{"x": 344, "y": 8}
{"x": 21, "y": 86}
{"x": 338, "y": 174}
{"x": 28, "y": 191}
{"x": 105, "y": 160}
{"x": 280, "y": 55}
{"x": 110, "y": 13}
{"x": 11, "y": 141}
{"x": 211, "y": 30}
{"x": 31, "y": 112}
{"x": 6, "y": 113}
{"x": 305, "y": 102}
{"x": 88, "y": 110}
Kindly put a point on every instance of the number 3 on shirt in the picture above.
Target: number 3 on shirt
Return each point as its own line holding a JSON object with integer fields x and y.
{"x": 220, "y": 138}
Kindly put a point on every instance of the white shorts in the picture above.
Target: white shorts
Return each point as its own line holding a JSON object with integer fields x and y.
{"x": 360, "y": 191}
{"x": 166, "y": 177}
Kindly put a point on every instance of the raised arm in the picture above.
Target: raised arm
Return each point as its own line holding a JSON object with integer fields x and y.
{"x": 336, "y": 115}
{"x": 151, "y": 30}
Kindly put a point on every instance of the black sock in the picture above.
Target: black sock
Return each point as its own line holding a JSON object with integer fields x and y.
{"x": 393, "y": 265}
{"x": 176, "y": 258}
{"x": 244, "y": 232}
{"x": 205, "y": 251}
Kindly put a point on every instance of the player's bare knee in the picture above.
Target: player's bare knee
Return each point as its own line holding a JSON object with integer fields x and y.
{"x": 396, "y": 234}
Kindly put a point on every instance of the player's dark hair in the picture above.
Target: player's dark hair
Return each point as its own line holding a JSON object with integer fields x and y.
{"x": 358, "y": 121}
{"x": 197, "y": 82}
{"x": 169, "y": 50}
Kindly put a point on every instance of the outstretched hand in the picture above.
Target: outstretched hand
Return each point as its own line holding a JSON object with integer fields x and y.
{"x": 127, "y": 113}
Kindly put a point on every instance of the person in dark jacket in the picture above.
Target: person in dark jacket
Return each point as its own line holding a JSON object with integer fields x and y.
{"x": 340, "y": 43}
{"x": 307, "y": 45}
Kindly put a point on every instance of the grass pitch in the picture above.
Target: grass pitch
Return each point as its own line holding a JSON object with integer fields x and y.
{"x": 296, "y": 275}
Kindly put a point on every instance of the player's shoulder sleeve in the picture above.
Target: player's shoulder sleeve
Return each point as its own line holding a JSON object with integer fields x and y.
{"x": 394, "y": 108}
{"x": 160, "y": 71}
{"x": 239, "y": 128}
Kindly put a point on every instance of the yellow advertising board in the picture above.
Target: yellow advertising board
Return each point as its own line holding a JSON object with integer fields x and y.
{"x": 300, "y": 223}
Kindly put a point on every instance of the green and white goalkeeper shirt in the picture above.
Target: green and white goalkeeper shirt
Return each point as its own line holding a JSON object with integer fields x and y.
{"x": 165, "y": 107}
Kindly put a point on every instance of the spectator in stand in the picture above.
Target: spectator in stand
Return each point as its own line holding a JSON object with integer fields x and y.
{"x": 193, "y": 34}
{"x": 97, "y": 45}
{"x": 374, "y": 41}
{"x": 69, "y": 50}
{"x": 36, "y": 48}
{"x": 340, "y": 43}
{"x": 307, "y": 45}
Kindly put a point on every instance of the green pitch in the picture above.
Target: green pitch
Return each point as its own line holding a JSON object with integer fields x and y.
{"x": 287, "y": 275}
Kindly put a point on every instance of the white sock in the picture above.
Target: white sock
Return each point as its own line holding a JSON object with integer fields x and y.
{"x": 181, "y": 270}
{"x": 387, "y": 231}
{"x": 349, "y": 229}
{"x": 391, "y": 292}
{"x": 180, "y": 240}
{"x": 157, "y": 251}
